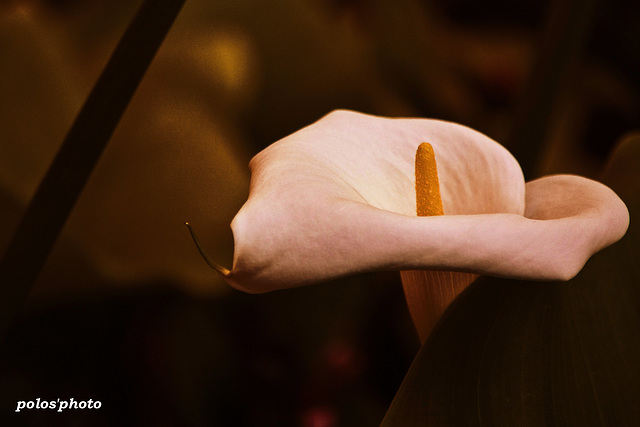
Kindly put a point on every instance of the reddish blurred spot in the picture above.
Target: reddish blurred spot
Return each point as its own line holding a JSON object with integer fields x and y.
{"x": 320, "y": 416}
{"x": 344, "y": 359}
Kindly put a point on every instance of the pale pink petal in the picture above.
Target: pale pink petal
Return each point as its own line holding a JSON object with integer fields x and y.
{"x": 338, "y": 198}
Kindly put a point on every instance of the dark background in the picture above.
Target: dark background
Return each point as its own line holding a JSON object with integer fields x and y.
{"x": 127, "y": 313}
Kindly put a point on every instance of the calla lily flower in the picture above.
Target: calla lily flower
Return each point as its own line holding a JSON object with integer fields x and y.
{"x": 338, "y": 198}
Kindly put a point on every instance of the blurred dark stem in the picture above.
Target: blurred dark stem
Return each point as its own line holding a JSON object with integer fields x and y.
{"x": 56, "y": 195}
{"x": 567, "y": 29}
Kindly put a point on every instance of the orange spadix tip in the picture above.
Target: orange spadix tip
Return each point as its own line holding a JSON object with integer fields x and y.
{"x": 428, "y": 199}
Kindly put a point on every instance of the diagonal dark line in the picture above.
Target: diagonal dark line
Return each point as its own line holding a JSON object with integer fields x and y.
{"x": 56, "y": 195}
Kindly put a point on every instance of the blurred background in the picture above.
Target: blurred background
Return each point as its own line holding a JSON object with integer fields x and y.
{"x": 126, "y": 311}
